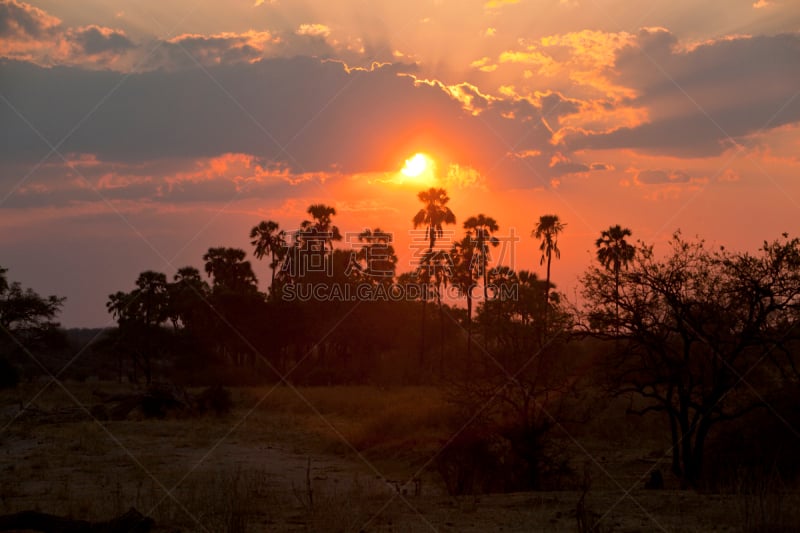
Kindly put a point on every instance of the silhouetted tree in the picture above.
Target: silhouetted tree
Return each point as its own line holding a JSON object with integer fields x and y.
{"x": 548, "y": 230}
{"x": 462, "y": 255}
{"x": 230, "y": 272}
{"x": 322, "y": 224}
{"x": 480, "y": 229}
{"x": 614, "y": 252}
{"x": 433, "y": 216}
{"x": 26, "y": 323}
{"x": 376, "y": 259}
{"x": 188, "y": 298}
{"x": 268, "y": 238}
{"x": 139, "y": 315}
{"x": 694, "y": 327}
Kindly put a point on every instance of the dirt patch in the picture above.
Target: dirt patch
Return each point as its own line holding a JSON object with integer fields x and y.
{"x": 279, "y": 468}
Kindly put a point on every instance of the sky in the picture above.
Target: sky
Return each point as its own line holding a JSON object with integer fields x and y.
{"x": 137, "y": 134}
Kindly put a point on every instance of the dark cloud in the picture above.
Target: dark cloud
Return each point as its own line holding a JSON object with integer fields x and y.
{"x": 95, "y": 40}
{"x": 701, "y": 99}
{"x": 303, "y": 113}
{"x": 23, "y": 21}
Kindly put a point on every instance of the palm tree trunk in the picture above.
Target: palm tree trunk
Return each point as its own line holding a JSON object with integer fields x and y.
{"x": 273, "y": 266}
{"x": 547, "y": 290}
{"x": 468, "y": 363}
{"x": 422, "y": 332}
{"x": 441, "y": 331}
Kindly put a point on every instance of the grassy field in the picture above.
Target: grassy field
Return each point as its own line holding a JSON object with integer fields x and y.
{"x": 331, "y": 459}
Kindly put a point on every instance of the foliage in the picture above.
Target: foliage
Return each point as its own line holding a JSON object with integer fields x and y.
{"x": 26, "y": 326}
{"x": 691, "y": 331}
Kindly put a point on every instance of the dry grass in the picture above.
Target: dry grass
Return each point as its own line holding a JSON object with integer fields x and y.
{"x": 393, "y": 420}
{"x": 249, "y": 471}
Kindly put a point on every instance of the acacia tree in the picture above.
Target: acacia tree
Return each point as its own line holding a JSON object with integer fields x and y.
{"x": 690, "y": 330}
{"x": 26, "y": 322}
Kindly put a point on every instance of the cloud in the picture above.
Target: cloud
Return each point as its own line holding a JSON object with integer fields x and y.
{"x": 314, "y": 30}
{"x": 188, "y": 50}
{"x": 660, "y": 177}
{"x": 95, "y": 40}
{"x": 30, "y": 34}
{"x": 496, "y": 4}
{"x": 22, "y": 21}
{"x": 177, "y": 181}
{"x": 703, "y": 101}
{"x": 308, "y": 117}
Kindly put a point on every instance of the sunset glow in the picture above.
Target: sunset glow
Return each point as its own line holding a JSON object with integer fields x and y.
{"x": 657, "y": 116}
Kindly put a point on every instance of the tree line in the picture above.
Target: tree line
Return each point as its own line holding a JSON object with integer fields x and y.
{"x": 702, "y": 336}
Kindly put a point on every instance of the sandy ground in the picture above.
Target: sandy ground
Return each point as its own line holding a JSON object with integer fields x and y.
{"x": 257, "y": 471}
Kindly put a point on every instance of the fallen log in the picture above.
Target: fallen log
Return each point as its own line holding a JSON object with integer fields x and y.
{"x": 131, "y": 522}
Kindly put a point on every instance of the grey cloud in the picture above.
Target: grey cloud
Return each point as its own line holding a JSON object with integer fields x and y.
{"x": 701, "y": 100}
{"x": 302, "y": 113}
{"x": 20, "y": 20}
{"x": 94, "y": 40}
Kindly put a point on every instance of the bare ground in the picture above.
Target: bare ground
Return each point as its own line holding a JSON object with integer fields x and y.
{"x": 266, "y": 467}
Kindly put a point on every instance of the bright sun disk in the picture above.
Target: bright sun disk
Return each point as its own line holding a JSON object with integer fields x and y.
{"x": 415, "y": 166}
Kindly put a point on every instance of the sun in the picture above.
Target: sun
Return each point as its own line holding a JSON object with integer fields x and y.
{"x": 416, "y": 165}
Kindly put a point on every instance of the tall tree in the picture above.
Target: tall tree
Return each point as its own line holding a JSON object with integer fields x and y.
{"x": 139, "y": 315}
{"x": 696, "y": 326}
{"x": 480, "y": 229}
{"x": 322, "y": 223}
{"x": 462, "y": 254}
{"x": 26, "y": 322}
{"x": 188, "y": 298}
{"x": 614, "y": 252}
{"x": 548, "y": 229}
{"x": 268, "y": 238}
{"x": 230, "y": 271}
{"x": 377, "y": 260}
{"x": 433, "y": 216}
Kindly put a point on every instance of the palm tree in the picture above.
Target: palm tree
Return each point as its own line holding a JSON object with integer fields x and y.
{"x": 230, "y": 271}
{"x": 322, "y": 223}
{"x": 480, "y": 229}
{"x": 614, "y": 252}
{"x": 462, "y": 255}
{"x": 433, "y": 216}
{"x": 377, "y": 258}
{"x": 548, "y": 229}
{"x": 268, "y": 238}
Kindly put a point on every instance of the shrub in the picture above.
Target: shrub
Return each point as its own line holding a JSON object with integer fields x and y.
{"x": 217, "y": 399}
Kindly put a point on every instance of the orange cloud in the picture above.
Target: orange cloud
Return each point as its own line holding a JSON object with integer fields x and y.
{"x": 496, "y": 4}
{"x": 314, "y": 30}
{"x": 30, "y": 34}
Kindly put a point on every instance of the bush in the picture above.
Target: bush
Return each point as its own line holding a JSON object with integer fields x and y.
{"x": 217, "y": 399}
{"x": 505, "y": 459}
{"x": 9, "y": 375}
